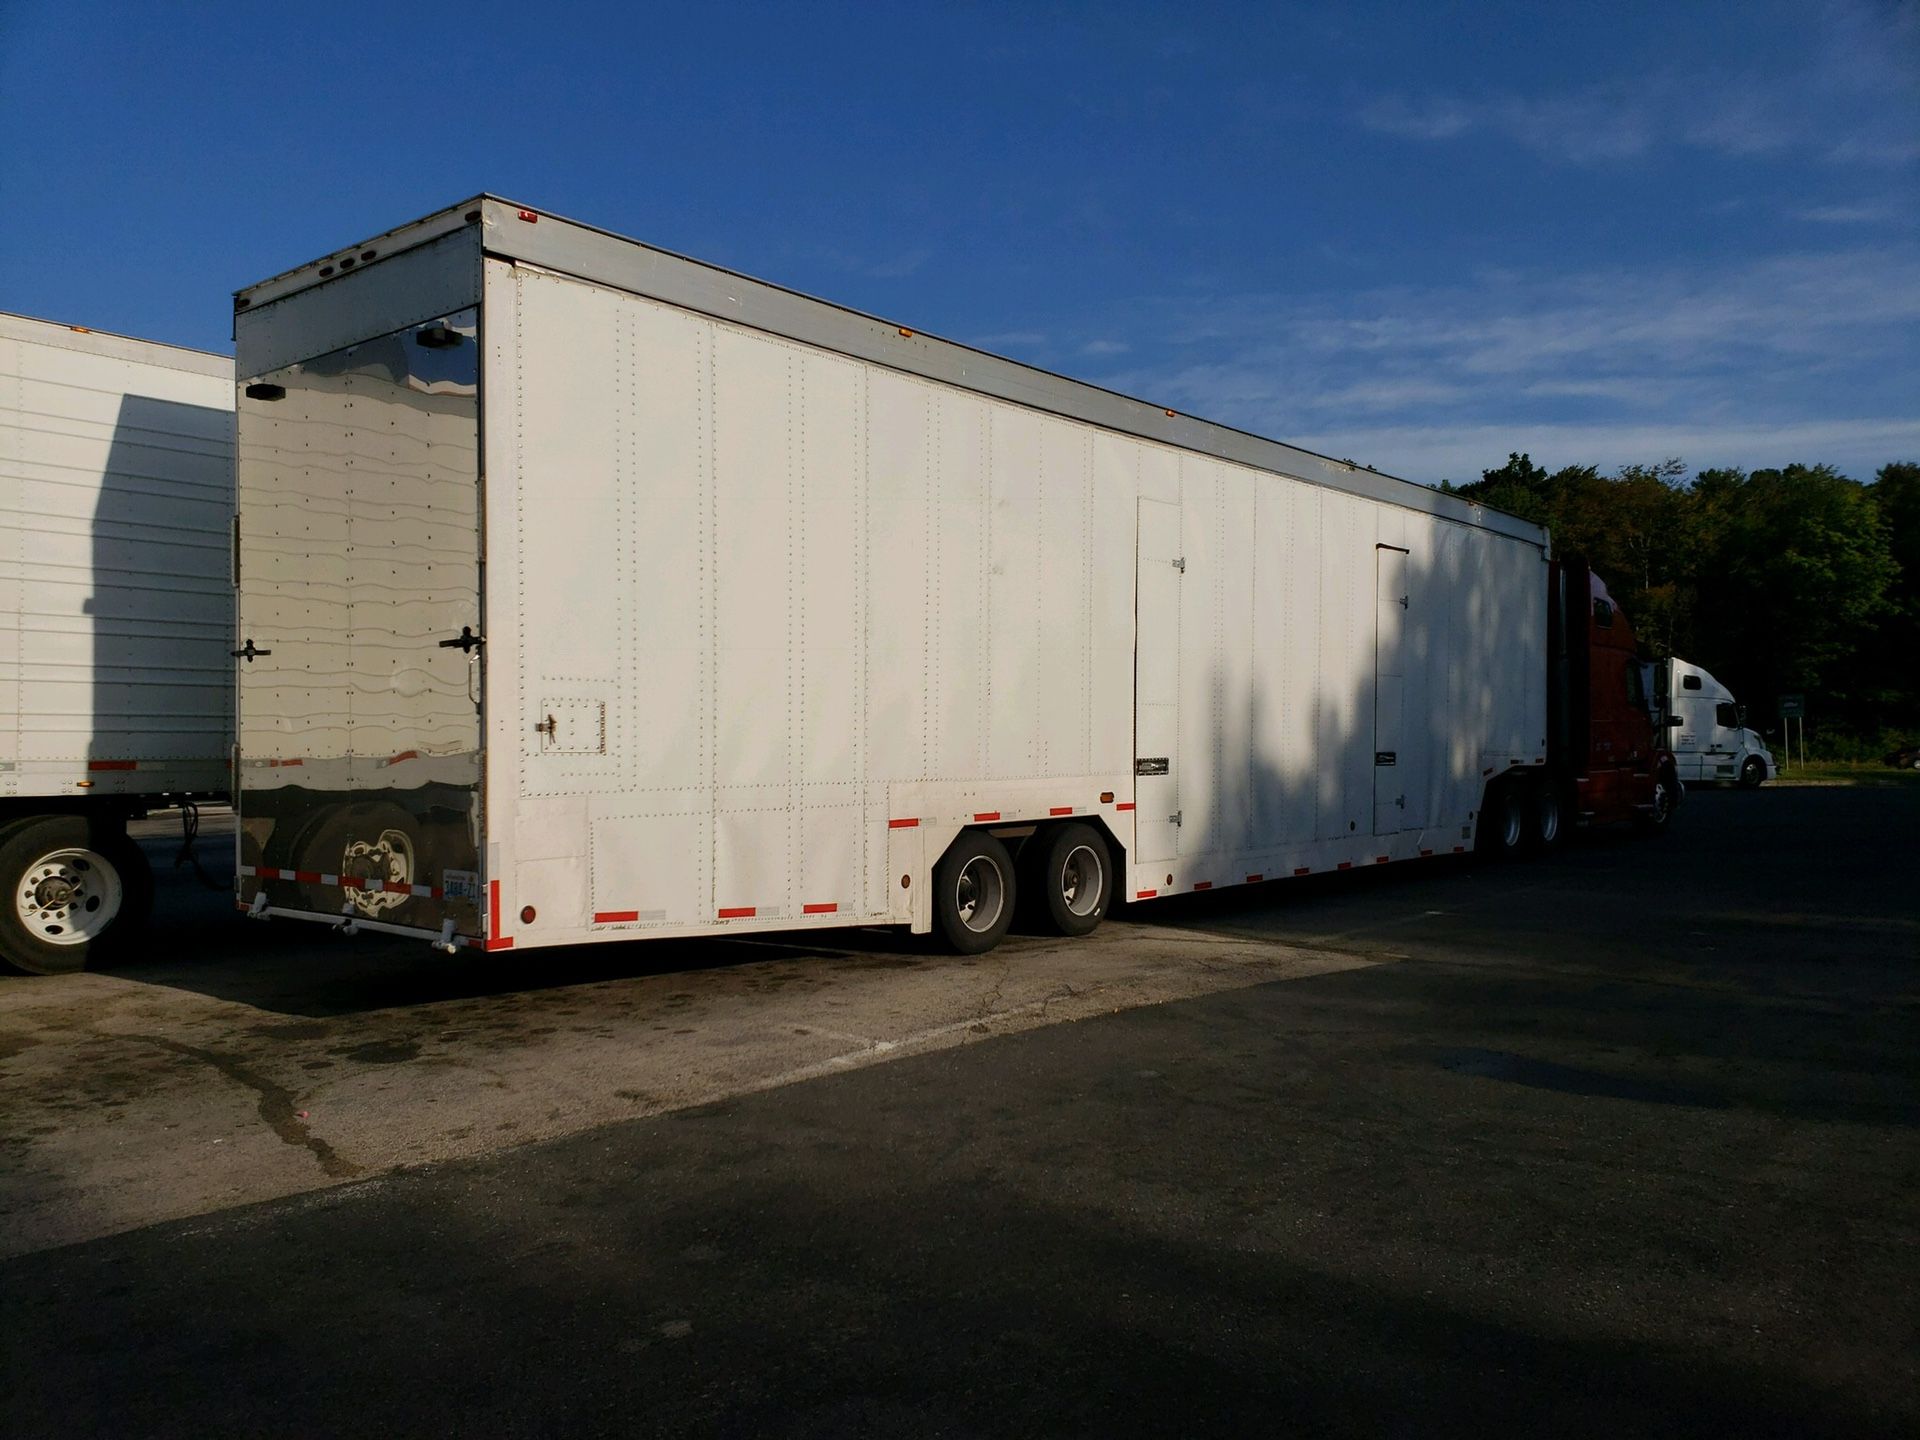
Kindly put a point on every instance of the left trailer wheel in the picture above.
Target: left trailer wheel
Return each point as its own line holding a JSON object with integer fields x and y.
{"x": 76, "y": 889}
{"x": 973, "y": 893}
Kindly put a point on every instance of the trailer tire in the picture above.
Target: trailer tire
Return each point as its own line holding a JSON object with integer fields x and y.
{"x": 1752, "y": 773}
{"x": 1658, "y": 815}
{"x": 1546, "y": 815}
{"x": 1503, "y": 820}
{"x": 974, "y": 893}
{"x": 75, "y": 889}
{"x": 1071, "y": 879}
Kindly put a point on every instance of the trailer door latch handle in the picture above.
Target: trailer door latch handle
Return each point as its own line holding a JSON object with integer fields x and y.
{"x": 465, "y": 642}
{"x": 248, "y": 652}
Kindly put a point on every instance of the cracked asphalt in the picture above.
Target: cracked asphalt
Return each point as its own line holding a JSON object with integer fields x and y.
{"x": 1618, "y": 1142}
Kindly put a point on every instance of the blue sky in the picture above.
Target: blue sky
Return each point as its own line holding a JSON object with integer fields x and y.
{"x": 1416, "y": 236}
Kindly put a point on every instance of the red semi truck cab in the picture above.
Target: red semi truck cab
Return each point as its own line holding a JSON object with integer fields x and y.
{"x": 1606, "y": 747}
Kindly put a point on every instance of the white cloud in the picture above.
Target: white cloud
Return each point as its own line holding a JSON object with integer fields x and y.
{"x": 1842, "y": 214}
{"x": 1105, "y": 347}
{"x": 1850, "y": 101}
{"x": 1718, "y": 364}
{"x": 1429, "y": 453}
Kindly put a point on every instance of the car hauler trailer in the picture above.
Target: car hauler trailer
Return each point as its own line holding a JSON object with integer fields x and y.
{"x": 116, "y": 507}
{"x": 589, "y": 592}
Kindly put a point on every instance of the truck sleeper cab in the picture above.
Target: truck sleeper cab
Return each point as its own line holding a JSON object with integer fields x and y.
{"x": 1711, "y": 740}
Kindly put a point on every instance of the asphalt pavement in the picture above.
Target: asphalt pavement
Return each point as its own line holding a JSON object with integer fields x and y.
{"x": 1621, "y": 1141}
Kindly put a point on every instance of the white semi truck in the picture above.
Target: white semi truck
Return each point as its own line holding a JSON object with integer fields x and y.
{"x": 1708, "y": 729}
{"x": 116, "y": 611}
{"x": 588, "y": 592}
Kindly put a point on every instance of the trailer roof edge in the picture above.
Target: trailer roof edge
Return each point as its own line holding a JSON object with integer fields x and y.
{"x": 538, "y": 237}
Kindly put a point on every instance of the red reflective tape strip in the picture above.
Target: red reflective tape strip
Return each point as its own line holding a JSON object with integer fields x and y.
{"x": 1426, "y": 852}
{"x": 113, "y": 764}
{"x": 1061, "y": 810}
{"x": 1203, "y": 884}
{"x": 1459, "y": 849}
{"x": 1124, "y": 805}
{"x": 505, "y": 942}
{"x": 986, "y": 815}
{"x": 614, "y": 917}
{"x": 306, "y": 877}
{"x": 902, "y": 824}
{"x": 265, "y": 872}
{"x": 1303, "y": 870}
{"x": 1255, "y": 879}
{"x": 1344, "y": 865}
{"x": 1145, "y": 894}
{"x": 493, "y": 916}
{"x": 739, "y": 912}
{"x": 827, "y": 909}
{"x": 1381, "y": 859}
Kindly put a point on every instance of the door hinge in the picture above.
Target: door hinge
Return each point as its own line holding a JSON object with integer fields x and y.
{"x": 548, "y": 727}
{"x": 1403, "y": 602}
{"x": 1174, "y": 819}
{"x": 465, "y": 642}
{"x": 249, "y": 652}
{"x": 1181, "y": 564}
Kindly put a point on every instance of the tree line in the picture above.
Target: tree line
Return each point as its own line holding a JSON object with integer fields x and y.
{"x": 1796, "y": 580}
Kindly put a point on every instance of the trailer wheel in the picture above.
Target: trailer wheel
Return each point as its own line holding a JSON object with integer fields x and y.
{"x": 973, "y": 893}
{"x": 1503, "y": 820}
{"x": 1073, "y": 879}
{"x": 1546, "y": 814}
{"x": 76, "y": 888}
{"x": 1752, "y": 773}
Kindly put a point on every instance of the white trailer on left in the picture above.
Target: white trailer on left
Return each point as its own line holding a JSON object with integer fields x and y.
{"x": 116, "y": 617}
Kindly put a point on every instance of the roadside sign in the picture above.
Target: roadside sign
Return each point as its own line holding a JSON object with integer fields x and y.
{"x": 1793, "y": 707}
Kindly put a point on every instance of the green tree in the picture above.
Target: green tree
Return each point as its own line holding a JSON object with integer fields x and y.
{"x": 1794, "y": 573}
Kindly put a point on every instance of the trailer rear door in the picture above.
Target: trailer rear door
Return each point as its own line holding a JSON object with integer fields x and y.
{"x": 359, "y": 617}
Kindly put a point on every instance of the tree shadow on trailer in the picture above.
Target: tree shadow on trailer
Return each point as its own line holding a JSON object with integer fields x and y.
{"x": 160, "y": 614}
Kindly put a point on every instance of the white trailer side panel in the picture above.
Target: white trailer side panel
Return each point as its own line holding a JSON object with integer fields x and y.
{"x": 782, "y": 621}
{"x": 116, "y": 503}
{"x": 806, "y": 603}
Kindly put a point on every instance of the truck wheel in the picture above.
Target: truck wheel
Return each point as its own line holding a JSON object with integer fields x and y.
{"x": 1073, "y": 880}
{"x": 973, "y": 893}
{"x": 1546, "y": 814}
{"x": 1659, "y": 812}
{"x": 1503, "y": 820}
{"x": 76, "y": 888}
{"x": 1752, "y": 773}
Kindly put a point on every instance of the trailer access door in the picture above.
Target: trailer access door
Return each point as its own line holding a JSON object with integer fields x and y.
{"x": 359, "y": 617}
{"x": 1390, "y": 768}
{"x": 1156, "y": 716}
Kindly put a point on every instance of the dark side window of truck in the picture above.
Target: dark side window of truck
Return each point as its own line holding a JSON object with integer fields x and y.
{"x": 1726, "y": 715}
{"x": 1689, "y": 682}
{"x": 1636, "y": 686}
{"x": 1603, "y": 614}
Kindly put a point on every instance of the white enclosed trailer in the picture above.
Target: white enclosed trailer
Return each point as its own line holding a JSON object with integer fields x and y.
{"x": 116, "y": 512}
{"x": 589, "y": 592}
